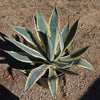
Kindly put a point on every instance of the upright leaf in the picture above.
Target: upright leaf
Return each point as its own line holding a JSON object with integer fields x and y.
{"x": 53, "y": 27}
{"x": 42, "y": 26}
{"x": 53, "y": 81}
{"x": 35, "y": 75}
{"x": 50, "y": 52}
{"x": 47, "y": 44}
{"x": 36, "y": 27}
{"x": 43, "y": 39}
{"x": 61, "y": 39}
{"x": 57, "y": 55}
{"x": 57, "y": 43}
{"x": 35, "y": 21}
{"x": 66, "y": 51}
{"x": 64, "y": 33}
{"x": 69, "y": 37}
{"x": 65, "y": 30}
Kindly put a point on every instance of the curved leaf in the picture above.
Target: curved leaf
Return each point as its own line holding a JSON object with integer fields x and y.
{"x": 26, "y": 49}
{"x": 65, "y": 30}
{"x": 83, "y": 63}
{"x": 23, "y": 57}
{"x": 53, "y": 81}
{"x": 35, "y": 75}
{"x": 26, "y": 34}
{"x": 75, "y": 55}
{"x": 29, "y": 37}
{"x": 70, "y": 35}
{"x": 36, "y": 26}
{"x": 67, "y": 71}
{"x": 63, "y": 65}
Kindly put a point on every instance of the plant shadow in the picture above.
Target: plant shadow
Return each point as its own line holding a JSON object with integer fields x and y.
{"x": 5, "y": 94}
{"x": 93, "y": 92}
{"x": 13, "y": 63}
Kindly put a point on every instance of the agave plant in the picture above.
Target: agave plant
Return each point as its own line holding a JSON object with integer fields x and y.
{"x": 48, "y": 47}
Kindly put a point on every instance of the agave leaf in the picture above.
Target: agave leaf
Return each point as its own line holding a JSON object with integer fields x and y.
{"x": 50, "y": 52}
{"x": 36, "y": 28}
{"x": 26, "y": 49}
{"x": 35, "y": 75}
{"x": 75, "y": 55}
{"x": 53, "y": 27}
{"x": 47, "y": 44}
{"x": 83, "y": 63}
{"x": 35, "y": 21}
{"x": 57, "y": 55}
{"x": 69, "y": 47}
{"x": 38, "y": 45}
{"x": 63, "y": 65}
{"x": 57, "y": 43}
{"x": 60, "y": 46}
{"x": 65, "y": 30}
{"x": 69, "y": 38}
{"x": 67, "y": 71}
{"x": 43, "y": 39}
{"x": 26, "y": 34}
{"x": 30, "y": 38}
{"x": 53, "y": 81}
{"x": 42, "y": 25}
{"x": 23, "y": 57}
{"x": 61, "y": 39}
{"x": 66, "y": 51}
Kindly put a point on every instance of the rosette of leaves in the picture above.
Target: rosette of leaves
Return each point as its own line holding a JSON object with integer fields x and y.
{"x": 48, "y": 47}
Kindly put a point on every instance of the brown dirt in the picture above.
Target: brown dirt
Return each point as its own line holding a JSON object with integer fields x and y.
{"x": 86, "y": 86}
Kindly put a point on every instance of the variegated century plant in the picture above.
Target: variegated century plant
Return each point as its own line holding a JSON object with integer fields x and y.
{"x": 48, "y": 47}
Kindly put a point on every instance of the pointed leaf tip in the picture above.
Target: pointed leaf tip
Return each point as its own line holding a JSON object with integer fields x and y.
{"x": 55, "y": 9}
{"x": 53, "y": 82}
{"x": 35, "y": 75}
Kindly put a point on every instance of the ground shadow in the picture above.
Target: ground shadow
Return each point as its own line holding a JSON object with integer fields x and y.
{"x": 13, "y": 63}
{"x": 6, "y": 94}
{"x": 6, "y": 45}
{"x": 93, "y": 92}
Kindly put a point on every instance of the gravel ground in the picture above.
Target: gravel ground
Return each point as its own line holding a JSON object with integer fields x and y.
{"x": 86, "y": 86}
